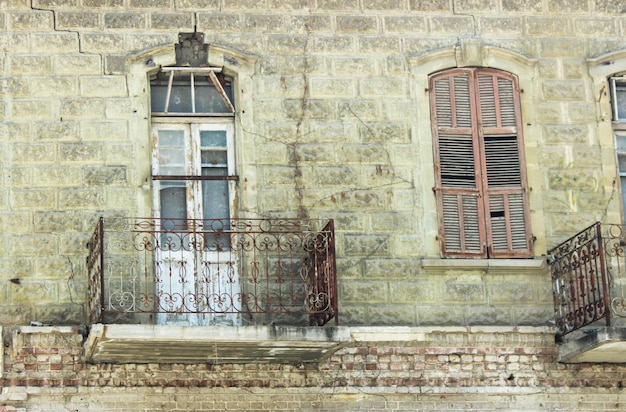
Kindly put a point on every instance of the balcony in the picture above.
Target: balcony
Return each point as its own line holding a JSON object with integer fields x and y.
{"x": 260, "y": 281}
{"x": 588, "y": 287}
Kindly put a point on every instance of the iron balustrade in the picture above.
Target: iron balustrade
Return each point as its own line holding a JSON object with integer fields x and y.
{"x": 212, "y": 272}
{"x": 582, "y": 270}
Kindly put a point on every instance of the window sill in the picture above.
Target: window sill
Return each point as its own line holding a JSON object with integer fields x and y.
{"x": 496, "y": 266}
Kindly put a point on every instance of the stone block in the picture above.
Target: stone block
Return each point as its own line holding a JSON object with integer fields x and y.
{"x": 55, "y": 42}
{"x": 16, "y": 222}
{"x": 168, "y": 21}
{"x": 268, "y": 153}
{"x": 121, "y": 199}
{"x": 310, "y": 23}
{"x": 31, "y": 21}
{"x": 377, "y": 44}
{"x": 105, "y": 175}
{"x": 110, "y": 86}
{"x": 15, "y": 314}
{"x": 404, "y": 24}
{"x": 489, "y": 315}
{"x": 385, "y": 5}
{"x": 360, "y": 109}
{"x": 384, "y": 132}
{"x": 358, "y": 153}
{"x": 157, "y": 4}
{"x": 509, "y": 26}
{"x": 559, "y": 134}
{"x": 390, "y": 315}
{"x": 438, "y": 315}
{"x": 111, "y": 131}
{"x": 564, "y": 90}
{"x": 512, "y": 293}
{"x": 63, "y": 314}
{"x": 464, "y": 292}
{"x": 117, "y": 153}
{"x": 363, "y": 291}
{"x": 598, "y": 27}
{"x": 277, "y": 175}
{"x": 332, "y": 88}
{"x": 337, "y": 5}
{"x": 391, "y": 268}
{"x": 587, "y": 179}
{"x": 31, "y": 199}
{"x": 367, "y": 245}
{"x": 103, "y": 43}
{"x": 461, "y": 25}
{"x": 358, "y": 24}
{"x": 353, "y": 66}
{"x": 336, "y": 176}
{"x": 46, "y": 4}
{"x": 118, "y": 108}
{"x": 58, "y": 222}
{"x": 19, "y": 176}
{"x": 333, "y": 132}
{"x": 29, "y": 245}
{"x": 81, "y": 198}
{"x": 196, "y": 5}
{"x": 314, "y": 152}
{"x": 14, "y": 87}
{"x": 74, "y": 64}
{"x": 333, "y": 44}
{"x": 61, "y": 86}
{"x": 51, "y": 176}
{"x": 383, "y": 87}
{"x": 80, "y": 152}
{"x": 14, "y": 42}
{"x": 248, "y": 5}
{"x": 522, "y": 5}
{"x": 413, "y": 292}
{"x": 77, "y": 20}
{"x": 77, "y": 108}
{"x": 57, "y": 131}
{"x": 283, "y": 44}
{"x": 148, "y": 41}
{"x": 25, "y": 109}
{"x": 265, "y": 23}
{"x": 33, "y": 153}
{"x": 127, "y": 20}
{"x": 20, "y": 65}
{"x": 568, "y": 7}
{"x": 533, "y": 315}
{"x": 548, "y": 27}
{"x": 219, "y": 21}
{"x": 313, "y": 109}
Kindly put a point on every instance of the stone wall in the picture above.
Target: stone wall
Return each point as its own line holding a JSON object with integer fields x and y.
{"x": 451, "y": 369}
{"x": 333, "y": 122}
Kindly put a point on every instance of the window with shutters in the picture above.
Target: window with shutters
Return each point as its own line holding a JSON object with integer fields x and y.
{"x": 480, "y": 182}
{"x": 618, "y": 103}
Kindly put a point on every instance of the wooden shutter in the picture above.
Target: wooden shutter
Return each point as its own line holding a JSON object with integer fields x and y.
{"x": 480, "y": 178}
{"x": 458, "y": 191}
{"x": 503, "y": 165}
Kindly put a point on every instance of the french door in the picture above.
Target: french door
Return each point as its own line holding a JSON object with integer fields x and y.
{"x": 196, "y": 280}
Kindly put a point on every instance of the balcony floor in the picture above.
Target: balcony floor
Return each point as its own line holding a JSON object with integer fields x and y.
{"x": 595, "y": 344}
{"x": 213, "y": 345}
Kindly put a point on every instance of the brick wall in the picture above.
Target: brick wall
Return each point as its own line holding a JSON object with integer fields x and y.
{"x": 448, "y": 370}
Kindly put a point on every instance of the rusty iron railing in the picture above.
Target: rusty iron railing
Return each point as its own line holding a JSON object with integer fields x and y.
{"x": 581, "y": 269}
{"x": 212, "y": 272}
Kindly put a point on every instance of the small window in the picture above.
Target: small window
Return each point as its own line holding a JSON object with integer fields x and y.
{"x": 618, "y": 98}
{"x": 481, "y": 190}
{"x": 190, "y": 91}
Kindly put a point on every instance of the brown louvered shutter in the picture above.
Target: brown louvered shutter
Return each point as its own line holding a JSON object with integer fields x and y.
{"x": 480, "y": 178}
{"x": 457, "y": 188}
{"x": 503, "y": 171}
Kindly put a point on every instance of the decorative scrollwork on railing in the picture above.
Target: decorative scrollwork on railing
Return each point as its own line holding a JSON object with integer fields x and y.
{"x": 219, "y": 266}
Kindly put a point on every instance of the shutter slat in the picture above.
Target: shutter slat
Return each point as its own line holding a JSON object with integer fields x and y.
{"x": 502, "y": 161}
{"x": 456, "y": 158}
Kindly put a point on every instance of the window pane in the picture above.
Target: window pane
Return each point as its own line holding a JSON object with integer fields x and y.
{"x": 620, "y": 90}
{"x": 180, "y": 100}
{"x": 158, "y": 93}
{"x": 621, "y": 160}
{"x": 208, "y": 99}
{"x": 213, "y": 138}
{"x": 171, "y": 147}
{"x": 620, "y": 142}
{"x": 214, "y": 158}
{"x": 173, "y": 200}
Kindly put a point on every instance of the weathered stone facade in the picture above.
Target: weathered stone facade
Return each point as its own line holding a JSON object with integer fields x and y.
{"x": 333, "y": 121}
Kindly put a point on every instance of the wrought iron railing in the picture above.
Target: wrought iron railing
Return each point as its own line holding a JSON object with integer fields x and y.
{"x": 212, "y": 272}
{"x": 585, "y": 272}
